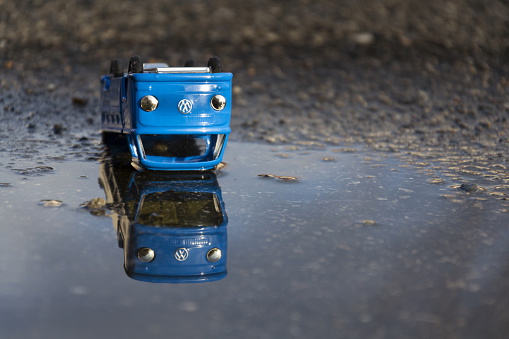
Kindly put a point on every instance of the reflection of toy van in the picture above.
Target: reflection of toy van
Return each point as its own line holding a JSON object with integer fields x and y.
{"x": 174, "y": 118}
{"x": 171, "y": 226}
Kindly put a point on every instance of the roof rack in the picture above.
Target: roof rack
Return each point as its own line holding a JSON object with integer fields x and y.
{"x": 177, "y": 70}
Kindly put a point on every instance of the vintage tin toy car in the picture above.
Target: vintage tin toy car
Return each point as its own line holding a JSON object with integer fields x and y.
{"x": 174, "y": 118}
{"x": 172, "y": 226}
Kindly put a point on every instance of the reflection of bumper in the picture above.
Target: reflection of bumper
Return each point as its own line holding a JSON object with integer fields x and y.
{"x": 167, "y": 266}
{"x": 178, "y": 152}
{"x": 176, "y": 279}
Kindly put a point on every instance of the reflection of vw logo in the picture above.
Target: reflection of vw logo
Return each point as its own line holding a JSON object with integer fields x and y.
{"x": 185, "y": 106}
{"x": 181, "y": 254}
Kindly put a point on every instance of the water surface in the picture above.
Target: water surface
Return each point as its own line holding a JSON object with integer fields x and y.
{"x": 360, "y": 245}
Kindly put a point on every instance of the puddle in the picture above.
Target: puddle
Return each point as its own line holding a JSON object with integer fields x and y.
{"x": 359, "y": 235}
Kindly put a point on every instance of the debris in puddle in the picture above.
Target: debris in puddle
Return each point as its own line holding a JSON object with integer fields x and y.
{"x": 95, "y": 203}
{"x": 367, "y": 222}
{"x": 436, "y": 181}
{"x": 328, "y": 159}
{"x": 344, "y": 150}
{"x": 32, "y": 170}
{"x": 279, "y": 177}
{"x": 50, "y": 203}
{"x": 96, "y": 206}
{"x": 221, "y": 166}
{"x": 469, "y": 187}
{"x": 5, "y": 184}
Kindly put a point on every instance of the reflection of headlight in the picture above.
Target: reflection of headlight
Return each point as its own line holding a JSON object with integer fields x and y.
{"x": 148, "y": 103}
{"x": 146, "y": 254}
{"x": 218, "y": 102}
{"x": 214, "y": 254}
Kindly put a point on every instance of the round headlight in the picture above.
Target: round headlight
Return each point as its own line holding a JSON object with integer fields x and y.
{"x": 148, "y": 103}
{"x": 218, "y": 102}
{"x": 146, "y": 254}
{"x": 214, "y": 254}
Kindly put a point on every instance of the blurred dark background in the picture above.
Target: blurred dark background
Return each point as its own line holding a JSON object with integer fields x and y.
{"x": 244, "y": 31}
{"x": 390, "y": 73}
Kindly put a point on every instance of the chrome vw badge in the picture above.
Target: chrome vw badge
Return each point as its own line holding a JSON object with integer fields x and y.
{"x": 181, "y": 254}
{"x": 185, "y": 106}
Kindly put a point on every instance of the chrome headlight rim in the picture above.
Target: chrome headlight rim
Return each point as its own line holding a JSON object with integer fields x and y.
{"x": 218, "y": 102}
{"x": 146, "y": 254}
{"x": 149, "y": 103}
{"x": 214, "y": 255}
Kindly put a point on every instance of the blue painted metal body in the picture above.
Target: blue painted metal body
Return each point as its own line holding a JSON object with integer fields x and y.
{"x": 166, "y": 138}
{"x": 168, "y": 212}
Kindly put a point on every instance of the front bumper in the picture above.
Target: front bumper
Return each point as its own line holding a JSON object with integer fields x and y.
{"x": 177, "y": 151}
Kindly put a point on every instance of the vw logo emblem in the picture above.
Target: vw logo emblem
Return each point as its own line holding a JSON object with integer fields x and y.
{"x": 185, "y": 106}
{"x": 181, "y": 254}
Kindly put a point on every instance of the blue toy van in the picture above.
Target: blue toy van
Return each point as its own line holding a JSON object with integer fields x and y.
{"x": 172, "y": 226}
{"x": 174, "y": 118}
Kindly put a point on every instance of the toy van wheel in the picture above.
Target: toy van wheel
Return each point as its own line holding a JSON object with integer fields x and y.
{"x": 189, "y": 63}
{"x": 115, "y": 68}
{"x": 101, "y": 184}
{"x": 215, "y": 64}
{"x": 120, "y": 238}
{"x": 135, "y": 64}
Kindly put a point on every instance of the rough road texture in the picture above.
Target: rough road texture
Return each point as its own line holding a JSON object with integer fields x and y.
{"x": 403, "y": 75}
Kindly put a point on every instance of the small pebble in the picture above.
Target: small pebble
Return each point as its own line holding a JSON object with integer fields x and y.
{"x": 79, "y": 101}
{"x": 220, "y": 166}
{"x": 436, "y": 181}
{"x": 368, "y": 222}
{"x": 469, "y": 187}
{"x": 280, "y": 177}
{"x": 57, "y": 128}
{"x": 95, "y": 203}
{"x": 51, "y": 203}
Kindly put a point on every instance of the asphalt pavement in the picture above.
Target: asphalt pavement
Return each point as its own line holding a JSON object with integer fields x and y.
{"x": 393, "y": 75}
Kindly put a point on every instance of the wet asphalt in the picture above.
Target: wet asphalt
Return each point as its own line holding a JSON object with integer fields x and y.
{"x": 390, "y": 75}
